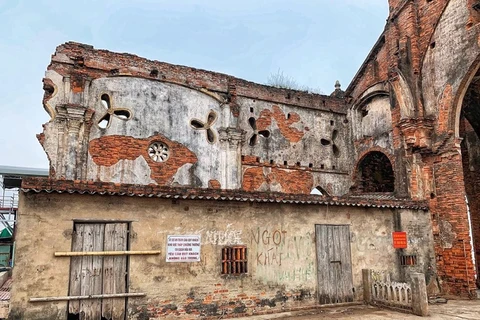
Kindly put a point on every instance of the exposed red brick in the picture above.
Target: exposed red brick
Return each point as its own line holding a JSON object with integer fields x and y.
{"x": 435, "y": 171}
{"x": 214, "y": 184}
{"x": 41, "y": 138}
{"x": 291, "y": 181}
{"x": 264, "y": 121}
{"x": 455, "y": 266}
{"x": 108, "y": 150}
{"x": 284, "y": 122}
{"x": 89, "y": 63}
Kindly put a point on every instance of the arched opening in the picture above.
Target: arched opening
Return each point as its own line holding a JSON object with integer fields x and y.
{"x": 469, "y": 131}
{"x": 375, "y": 174}
{"x": 319, "y": 191}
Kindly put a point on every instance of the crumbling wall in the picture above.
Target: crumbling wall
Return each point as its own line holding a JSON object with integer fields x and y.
{"x": 425, "y": 59}
{"x": 289, "y": 147}
{"x": 446, "y": 68}
{"x": 121, "y": 118}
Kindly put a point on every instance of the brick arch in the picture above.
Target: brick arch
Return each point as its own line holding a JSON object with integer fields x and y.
{"x": 457, "y": 105}
{"x": 380, "y": 166}
{"x": 445, "y": 80}
{"x": 379, "y": 89}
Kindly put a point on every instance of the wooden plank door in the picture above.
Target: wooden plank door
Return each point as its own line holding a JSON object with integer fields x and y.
{"x": 91, "y": 275}
{"x": 334, "y": 265}
{"x": 114, "y": 271}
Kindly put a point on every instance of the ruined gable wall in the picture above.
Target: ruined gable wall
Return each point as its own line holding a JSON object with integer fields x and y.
{"x": 108, "y": 109}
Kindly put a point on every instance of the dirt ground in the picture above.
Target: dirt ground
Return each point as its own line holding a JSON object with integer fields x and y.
{"x": 453, "y": 309}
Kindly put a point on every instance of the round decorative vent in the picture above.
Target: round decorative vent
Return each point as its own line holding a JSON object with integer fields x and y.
{"x": 158, "y": 152}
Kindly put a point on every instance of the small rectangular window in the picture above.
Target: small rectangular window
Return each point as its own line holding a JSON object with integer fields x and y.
{"x": 408, "y": 260}
{"x": 234, "y": 260}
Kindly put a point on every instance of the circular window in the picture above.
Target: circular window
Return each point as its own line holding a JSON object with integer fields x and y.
{"x": 158, "y": 152}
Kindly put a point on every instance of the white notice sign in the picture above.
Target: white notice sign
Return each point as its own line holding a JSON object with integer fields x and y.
{"x": 183, "y": 248}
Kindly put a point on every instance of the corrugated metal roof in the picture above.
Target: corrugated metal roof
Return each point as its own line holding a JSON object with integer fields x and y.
{"x": 23, "y": 171}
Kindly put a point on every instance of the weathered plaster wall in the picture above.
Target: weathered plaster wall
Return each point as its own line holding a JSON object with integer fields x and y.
{"x": 104, "y": 104}
{"x": 372, "y": 123}
{"x": 310, "y": 145}
{"x": 279, "y": 238}
{"x": 448, "y": 60}
{"x": 377, "y": 122}
{"x": 156, "y": 108}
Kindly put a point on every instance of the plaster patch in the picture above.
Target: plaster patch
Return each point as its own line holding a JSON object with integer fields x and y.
{"x": 447, "y": 235}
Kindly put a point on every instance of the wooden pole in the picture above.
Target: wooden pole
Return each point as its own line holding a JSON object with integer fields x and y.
{"x": 104, "y": 253}
{"x": 93, "y": 296}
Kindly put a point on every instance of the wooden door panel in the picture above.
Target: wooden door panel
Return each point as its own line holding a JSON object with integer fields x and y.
{"x": 76, "y": 269}
{"x": 114, "y": 280}
{"x": 346, "y": 258}
{"x": 92, "y": 273}
{"x": 334, "y": 264}
{"x": 98, "y": 274}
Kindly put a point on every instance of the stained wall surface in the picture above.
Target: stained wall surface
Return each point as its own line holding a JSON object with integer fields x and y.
{"x": 280, "y": 239}
{"x": 426, "y": 63}
{"x": 120, "y": 118}
{"x": 221, "y": 132}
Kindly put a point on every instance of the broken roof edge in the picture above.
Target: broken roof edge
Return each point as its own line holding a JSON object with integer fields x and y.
{"x": 129, "y": 64}
{"x": 40, "y": 185}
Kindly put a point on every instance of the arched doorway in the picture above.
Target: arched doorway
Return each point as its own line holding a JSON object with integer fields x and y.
{"x": 375, "y": 174}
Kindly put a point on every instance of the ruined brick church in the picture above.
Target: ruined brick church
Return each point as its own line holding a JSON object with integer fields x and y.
{"x": 232, "y": 198}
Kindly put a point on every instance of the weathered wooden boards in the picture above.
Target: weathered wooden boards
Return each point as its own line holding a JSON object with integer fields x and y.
{"x": 334, "y": 266}
{"x": 99, "y": 275}
{"x": 114, "y": 270}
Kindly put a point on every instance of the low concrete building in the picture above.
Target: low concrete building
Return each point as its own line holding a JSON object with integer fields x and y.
{"x": 221, "y": 253}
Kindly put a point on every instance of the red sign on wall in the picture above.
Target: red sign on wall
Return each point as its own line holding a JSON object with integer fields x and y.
{"x": 399, "y": 240}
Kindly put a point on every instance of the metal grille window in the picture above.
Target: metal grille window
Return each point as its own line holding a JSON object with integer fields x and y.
{"x": 234, "y": 260}
{"x": 408, "y": 260}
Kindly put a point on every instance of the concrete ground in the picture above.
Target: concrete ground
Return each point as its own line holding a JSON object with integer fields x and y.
{"x": 453, "y": 309}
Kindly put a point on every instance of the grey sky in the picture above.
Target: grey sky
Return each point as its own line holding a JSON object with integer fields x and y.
{"x": 314, "y": 42}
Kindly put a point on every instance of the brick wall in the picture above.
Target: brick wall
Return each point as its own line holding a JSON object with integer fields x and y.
{"x": 451, "y": 228}
{"x": 81, "y": 62}
{"x": 429, "y": 170}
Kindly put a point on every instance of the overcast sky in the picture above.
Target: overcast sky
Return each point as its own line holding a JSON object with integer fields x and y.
{"x": 313, "y": 41}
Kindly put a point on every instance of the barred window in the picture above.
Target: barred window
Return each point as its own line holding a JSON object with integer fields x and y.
{"x": 234, "y": 260}
{"x": 408, "y": 260}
